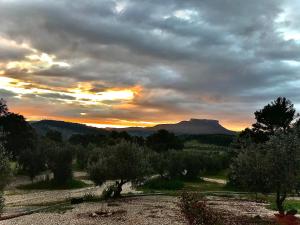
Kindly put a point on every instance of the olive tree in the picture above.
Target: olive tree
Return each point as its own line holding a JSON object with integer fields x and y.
{"x": 59, "y": 158}
{"x": 270, "y": 167}
{"x": 124, "y": 162}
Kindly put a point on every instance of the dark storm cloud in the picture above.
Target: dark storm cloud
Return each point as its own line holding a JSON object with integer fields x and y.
{"x": 211, "y": 55}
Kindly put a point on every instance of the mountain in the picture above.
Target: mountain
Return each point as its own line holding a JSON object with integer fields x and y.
{"x": 66, "y": 128}
{"x": 191, "y": 127}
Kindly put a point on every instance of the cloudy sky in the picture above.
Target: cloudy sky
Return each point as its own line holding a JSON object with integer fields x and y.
{"x": 143, "y": 62}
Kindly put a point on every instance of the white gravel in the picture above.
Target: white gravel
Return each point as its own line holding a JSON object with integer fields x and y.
{"x": 151, "y": 210}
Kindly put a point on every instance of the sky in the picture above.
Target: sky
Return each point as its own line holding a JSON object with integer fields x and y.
{"x": 121, "y": 63}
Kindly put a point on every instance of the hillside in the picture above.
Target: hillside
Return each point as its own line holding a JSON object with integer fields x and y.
{"x": 66, "y": 128}
{"x": 191, "y": 127}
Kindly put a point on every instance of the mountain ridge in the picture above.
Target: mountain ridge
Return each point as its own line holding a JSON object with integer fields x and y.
{"x": 186, "y": 127}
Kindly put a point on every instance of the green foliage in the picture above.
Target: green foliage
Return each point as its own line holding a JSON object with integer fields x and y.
{"x": 248, "y": 170}
{"x": 163, "y": 140}
{"x": 178, "y": 164}
{"x": 122, "y": 162}
{"x": 163, "y": 184}
{"x": 52, "y": 185}
{"x": 54, "y": 135}
{"x": 4, "y": 174}
{"x": 82, "y": 155}
{"x": 19, "y": 134}
{"x": 276, "y": 116}
{"x": 223, "y": 140}
{"x": 4, "y": 168}
{"x": 86, "y": 139}
{"x": 59, "y": 160}
{"x": 32, "y": 160}
{"x": 272, "y": 166}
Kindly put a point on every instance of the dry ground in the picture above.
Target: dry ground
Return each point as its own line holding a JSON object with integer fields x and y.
{"x": 154, "y": 210}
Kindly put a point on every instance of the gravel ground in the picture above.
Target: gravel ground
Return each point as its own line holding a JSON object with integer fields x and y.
{"x": 240, "y": 207}
{"x": 154, "y": 210}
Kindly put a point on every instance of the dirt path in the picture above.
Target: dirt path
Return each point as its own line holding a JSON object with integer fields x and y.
{"x": 214, "y": 180}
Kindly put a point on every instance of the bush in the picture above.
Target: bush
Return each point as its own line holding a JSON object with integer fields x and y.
{"x": 197, "y": 212}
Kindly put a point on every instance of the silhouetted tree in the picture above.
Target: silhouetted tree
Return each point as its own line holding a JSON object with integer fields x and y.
{"x": 276, "y": 116}
{"x": 3, "y": 107}
{"x": 19, "y": 135}
{"x": 164, "y": 140}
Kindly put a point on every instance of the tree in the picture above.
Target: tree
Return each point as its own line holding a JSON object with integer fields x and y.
{"x": 248, "y": 170}
{"x": 276, "y": 116}
{"x": 59, "y": 160}
{"x": 4, "y": 174}
{"x": 3, "y": 107}
{"x": 123, "y": 162}
{"x": 15, "y": 127}
{"x": 283, "y": 164}
{"x": 82, "y": 155}
{"x": 271, "y": 166}
{"x": 33, "y": 160}
{"x": 164, "y": 140}
{"x": 54, "y": 136}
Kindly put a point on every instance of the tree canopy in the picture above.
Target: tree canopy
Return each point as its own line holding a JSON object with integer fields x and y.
{"x": 122, "y": 162}
{"x": 163, "y": 140}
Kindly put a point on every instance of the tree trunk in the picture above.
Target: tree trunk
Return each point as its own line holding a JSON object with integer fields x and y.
{"x": 118, "y": 189}
{"x": 279, "y": 202}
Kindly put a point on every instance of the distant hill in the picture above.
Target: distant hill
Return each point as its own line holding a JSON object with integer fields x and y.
{"x": 191, "y": 127}
{"x": 66, "y": 128}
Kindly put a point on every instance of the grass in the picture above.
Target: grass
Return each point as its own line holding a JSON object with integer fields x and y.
{"x": 51, "y": 185}
{"x": 288, "y": 205}
{"x": 176, "y": 186}
{"x": 163, "y": 184}
{"x": 223, "y": 174}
